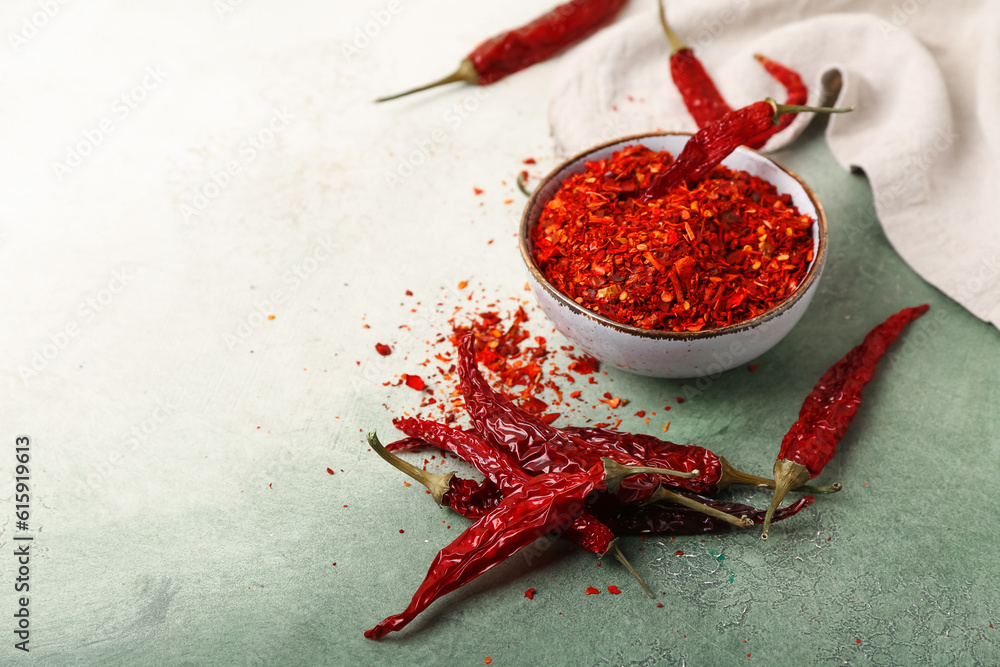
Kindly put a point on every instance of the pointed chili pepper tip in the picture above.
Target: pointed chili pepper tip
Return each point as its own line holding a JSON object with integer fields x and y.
{"x": 614, "y": 548}
{"x": 676, "y": 44}
{"x": 615, "y": 473}
{"x": 466, "y": 72}
{"x": 782, "y": 109}
{"x": 437, "y": 484}
{"x": 788, "y": 475}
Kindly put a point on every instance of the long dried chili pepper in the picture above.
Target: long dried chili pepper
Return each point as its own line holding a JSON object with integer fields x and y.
{"x": 796, "y": 94}
{"x": 656, "y": 519}
{"x": 829, "y": 409}
{"x": 503, "y": 472}
{"x": 517, "y": 49}
{"x": 544, "y": 503}
{"x": 712, "y": 144}
{"x": 536, "y": 446}
{"x": 703, "y": 100}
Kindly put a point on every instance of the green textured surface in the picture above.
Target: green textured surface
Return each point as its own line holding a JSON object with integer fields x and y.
{"x": 212, "y": 540}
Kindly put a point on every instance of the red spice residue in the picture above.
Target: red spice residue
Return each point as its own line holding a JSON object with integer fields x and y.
{"x": 478, "y": 191}
{"x": 592, "y": 591}
{"x": 329, "y": 471}
{"x": 722, "y": 252}
{"x": 752, "y": 367}
{"x": 400, "y": 530}
{"x": 488, "y": 660}
{"x": 530, "y": 593}
{"x": 530, "y": 160}
{"x": 659, "y": 604}
{"x": 680, "y": 553}
{"x": 382, "y": 349}
{"x": 414, "y": 382}
{"x": 614, "y": 590}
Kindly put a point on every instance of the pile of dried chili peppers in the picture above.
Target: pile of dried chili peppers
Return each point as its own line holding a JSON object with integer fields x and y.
{"x": 592, "y": 484}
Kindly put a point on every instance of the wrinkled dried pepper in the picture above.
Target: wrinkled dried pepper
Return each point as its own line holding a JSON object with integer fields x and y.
{"x": 518, "y": 49}
{"x": 543, "y": 504}
{"x": 830, "y": 408}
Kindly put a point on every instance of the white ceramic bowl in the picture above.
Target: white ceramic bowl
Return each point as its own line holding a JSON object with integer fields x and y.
{"x": 668, "y": 353}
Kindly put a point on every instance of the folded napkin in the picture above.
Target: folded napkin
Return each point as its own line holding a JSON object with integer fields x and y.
{"x": 924, "y": 77}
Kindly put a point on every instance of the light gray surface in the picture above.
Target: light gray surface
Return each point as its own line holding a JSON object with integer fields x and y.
{"x": 208, "y": 540}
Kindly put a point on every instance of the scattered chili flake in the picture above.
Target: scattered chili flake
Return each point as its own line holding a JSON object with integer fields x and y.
{"x": 666, "y": 426}
{"x": 614, "y": 590}
{"x": 270, "y": 317}
{"x": 680, "y": 399}
{"x": 414, "y": 382}
{"x": 406, "y": 484}
{"x": 530, "y": 593}
{"x": 463, "y": 284}
{"x": 641, "y": 413}
{"x": 752, "y": 367}
{"x": 584, "y": 364}
{"x": 680, "y": 553}
{"x": 400, "y": 530}
{"x": 704, "y": 256}
{"x": 382, "y": 349}
{"x": 329, "y": 471}
{"x": 659, "y": 604}
{"x": 858, "y": 640}
{"x": 409, "y": 293}
{"x": 592, "y": 591}
{"x": 488, "y": 660}
{"x": 530, "y": 160}
{"x": 478, "y": 191}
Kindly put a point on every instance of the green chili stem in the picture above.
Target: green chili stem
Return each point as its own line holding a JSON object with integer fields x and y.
{"x": 663, "y": 494}
{"x": 782, "y": 109}
{"x": 437, "y": 484}
{"x": 466, "y": 72}
{"x": 522, "y": 186}
{"x": 676, "y": 44}
{"x": 628, "y": 566}
{"x": 787, "y": 476}
{"x": 731, "y": 475}
{"x": 615, "y": 472}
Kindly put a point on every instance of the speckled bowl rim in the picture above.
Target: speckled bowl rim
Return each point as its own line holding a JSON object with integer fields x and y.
{"x": 812, "y": 275}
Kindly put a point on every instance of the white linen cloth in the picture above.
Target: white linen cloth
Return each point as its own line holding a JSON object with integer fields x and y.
{"x": 924, "y": 76}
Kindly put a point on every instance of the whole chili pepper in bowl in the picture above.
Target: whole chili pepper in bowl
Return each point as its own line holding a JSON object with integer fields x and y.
{"x": 520, "y": 48}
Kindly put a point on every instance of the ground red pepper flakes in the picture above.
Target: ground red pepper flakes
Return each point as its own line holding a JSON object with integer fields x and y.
{"x": 530, "y": 160}
{"x": 752, "y": 367}
{"x": 708, "y": 255}
{"x": 680, "y": 553}
{"x": 400, "y": 530}
{"x": 530, "y": 593}
{"x": 329, "y": 471}
{"x": 488, "y": 660}
{"x": 414, "y": 382}
{"x": 478, "y": 191}
{"x": 592, "y": 591}
{"x": 614, "y": 590}
{"x": 659, "y": 604}
{"x": 384, "y": 350}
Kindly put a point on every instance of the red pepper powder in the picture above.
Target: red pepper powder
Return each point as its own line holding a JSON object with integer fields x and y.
{"x": 592, "y": 591}
{"x": 707, "y": 255}
{"x": 382, "y": 349}
{"x": 530, "y": 593}
{"x": 614, "y": 590}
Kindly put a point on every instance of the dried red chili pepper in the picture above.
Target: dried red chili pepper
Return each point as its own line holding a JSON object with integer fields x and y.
{"x": 518, "y": 49}
{"x": 659, "y": 519}
{"x": 703, "y": 100}
{"x": 502, "y": 472}
{"x": 536, "y": 446}
{"x": 829, "y": 409}
{"x": 713, "y": 143}
{"x": 544, "y": 503}
{"x": 796, "y": 94}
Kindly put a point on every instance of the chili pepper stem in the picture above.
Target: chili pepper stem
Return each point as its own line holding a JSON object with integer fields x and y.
{"x": 628, "y": 566}
{"x": 787, "y": 476}
{"x": 615, "y": 472}
{"x": 731, "y": 475}
{"x": 522, "y": 186}
{"x": 437, "y": 484}
{"x": 676, "y": 44}
{"x": 466, "y": 72}
{"x": 662, "y": 493}
{"x": 782, "y": 109}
